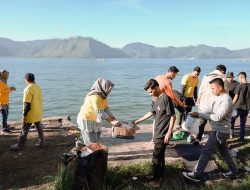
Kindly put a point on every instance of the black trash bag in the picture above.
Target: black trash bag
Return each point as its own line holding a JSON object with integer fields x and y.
{"x": 90, "y": 171}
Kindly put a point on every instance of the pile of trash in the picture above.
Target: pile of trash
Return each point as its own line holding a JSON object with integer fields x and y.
{"x": 88, "y": 164}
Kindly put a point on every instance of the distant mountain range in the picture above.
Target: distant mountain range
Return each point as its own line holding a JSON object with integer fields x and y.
{"x": 85, "y": 47}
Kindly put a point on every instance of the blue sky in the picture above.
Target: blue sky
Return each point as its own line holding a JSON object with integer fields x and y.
{"x": 160, "y": 23}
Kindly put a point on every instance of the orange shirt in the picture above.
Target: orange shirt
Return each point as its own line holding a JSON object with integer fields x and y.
{"x": 4, "y": 93}
{"x": 166, "y": 87}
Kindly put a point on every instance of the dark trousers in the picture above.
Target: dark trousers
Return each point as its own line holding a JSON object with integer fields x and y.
{"x": 243, "y": 119}
{"x": 25, "y": 130}
{"x": 159, "y": 159}
{"x": 187, "y": 110}
{"x": 202, "y": 125}
{"x": 5, "y": 113}
{"x": 182, "y": 112}
{"x": 216, "y": 141}
{"x": 190, "y": 102}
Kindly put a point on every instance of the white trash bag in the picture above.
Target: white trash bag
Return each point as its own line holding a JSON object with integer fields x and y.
{"x": 191, "y": 125}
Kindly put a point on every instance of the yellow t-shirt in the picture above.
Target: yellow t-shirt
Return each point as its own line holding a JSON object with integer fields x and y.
{"x": 91, "y": 105}
{"x": 33, "y": 94}
{"x": 190, "y": 83}
{"x": 4, "y": 93}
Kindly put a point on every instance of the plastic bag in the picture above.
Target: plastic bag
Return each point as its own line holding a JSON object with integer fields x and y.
{"x": 234, "y": 113}
{"x": 178, "y": 135}
{"x": 191, "y": 125}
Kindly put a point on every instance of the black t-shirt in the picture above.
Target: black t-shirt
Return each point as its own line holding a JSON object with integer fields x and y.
{"x": 231, "y": 88}
{"x": 243, "y": 91}
{"x": 162, "y": 108}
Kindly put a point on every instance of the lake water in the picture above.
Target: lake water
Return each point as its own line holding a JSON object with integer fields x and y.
{"x": 65, "y": 82}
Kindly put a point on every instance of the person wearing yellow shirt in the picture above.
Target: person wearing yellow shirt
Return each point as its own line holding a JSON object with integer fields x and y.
{"x": 4, "y": 99}
{"x": 189, "y": 86}
{"x": 94, "y": 110}
{"x": 32, "y": 112}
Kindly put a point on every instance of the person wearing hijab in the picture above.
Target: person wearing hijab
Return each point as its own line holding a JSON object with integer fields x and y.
{"x": 94, "y": 110}
{"x": 4, "y": 99}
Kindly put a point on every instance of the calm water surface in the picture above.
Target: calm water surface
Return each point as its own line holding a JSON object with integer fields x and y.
{"x": 65, "y": 82}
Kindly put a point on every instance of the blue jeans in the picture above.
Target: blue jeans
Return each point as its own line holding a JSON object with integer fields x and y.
{"x": 5, "y": 113}
{"x": 243, "y": 119}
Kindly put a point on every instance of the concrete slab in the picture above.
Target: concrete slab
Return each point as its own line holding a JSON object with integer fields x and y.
{"x": 139, "y": 147}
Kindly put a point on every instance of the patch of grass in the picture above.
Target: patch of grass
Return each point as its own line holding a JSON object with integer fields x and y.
{"x": 120, "y": 177}
{"x": 243, "y": 155}
{"x": 242, "y": 159}
{"x": 240, "y": 184}
{"x": 245, "y": 183}
{"x": 64, "y": 179}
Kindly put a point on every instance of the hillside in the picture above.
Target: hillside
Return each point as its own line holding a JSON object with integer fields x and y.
{"x": 78, "y": 47}
{"x": 85, "y": 47}
{"x": 141, "y": 50}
